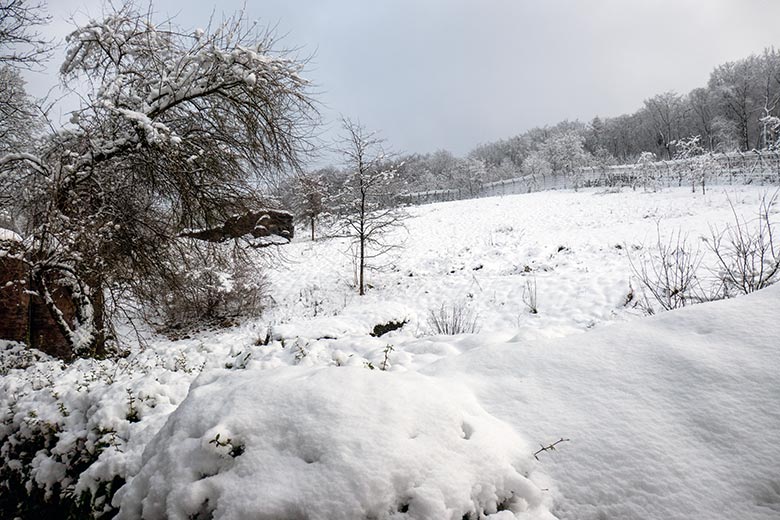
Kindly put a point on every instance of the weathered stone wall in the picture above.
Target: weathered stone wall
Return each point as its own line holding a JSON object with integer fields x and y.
{"x": 24, "y": 315}
{"x": 257, "y": 224}
{"x": 14, "y": 300}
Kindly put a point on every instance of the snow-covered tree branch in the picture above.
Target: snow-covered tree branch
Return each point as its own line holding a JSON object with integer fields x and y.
{"x": 176, "y": 133}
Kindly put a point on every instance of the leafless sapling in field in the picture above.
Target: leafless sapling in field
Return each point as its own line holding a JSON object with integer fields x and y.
{"x": 367, "y": 211}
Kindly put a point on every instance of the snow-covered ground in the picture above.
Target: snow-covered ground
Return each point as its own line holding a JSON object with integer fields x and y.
{"x": 291, "y": 415}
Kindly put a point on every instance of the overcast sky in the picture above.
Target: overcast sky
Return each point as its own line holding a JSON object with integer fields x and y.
{"x": 432, "y": 74}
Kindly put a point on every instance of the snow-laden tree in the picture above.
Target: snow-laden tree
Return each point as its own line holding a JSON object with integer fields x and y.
{"x": 18, "y": 120}
{"x": 644, "y": 171}
{"x": 18, "y": 127}
{"x": 565, "y": 153}
{"x": 771, "y": 131}
{"x": 538, "y": 169}
{"x": 365, "y": 202}
{"x": 693, "y": 161}
{"x": 174, "y": 132}
{"x": 468, "y": 175}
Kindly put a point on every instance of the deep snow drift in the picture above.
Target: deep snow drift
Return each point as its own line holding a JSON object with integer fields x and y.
{"x": 673, "y": 416}
{"x": 670, "y": 417}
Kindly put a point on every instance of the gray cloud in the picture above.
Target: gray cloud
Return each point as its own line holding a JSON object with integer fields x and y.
{"x": 450, "y": 74}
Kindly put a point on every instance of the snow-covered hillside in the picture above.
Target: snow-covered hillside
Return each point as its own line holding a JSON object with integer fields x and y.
{"x": 484, "y": 252}
{"x": 291, "y": 415}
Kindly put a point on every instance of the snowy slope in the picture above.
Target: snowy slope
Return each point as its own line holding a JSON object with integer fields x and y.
{"x": 671, "y": 417}
{"x": 484, "y": 252}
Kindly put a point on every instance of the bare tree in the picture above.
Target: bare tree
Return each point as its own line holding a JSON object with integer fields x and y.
{"x": 700, "y": 106}
{"x": 667, "y": 113}
{"x": 733, "y": 87}
{"x": 20, "y": 42}
{"x": 173, "y": 135}
{"x": 368, "y": 213}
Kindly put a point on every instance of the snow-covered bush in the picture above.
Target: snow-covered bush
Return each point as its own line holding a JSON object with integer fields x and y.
{"x": 71, "y": 434}
{"x": 44, "y": 448}
{"x": 530, "y": 297}
{"x": 323, "y": 443}
{"x": 32, "y": 455}
{"x": 745, "y": 258}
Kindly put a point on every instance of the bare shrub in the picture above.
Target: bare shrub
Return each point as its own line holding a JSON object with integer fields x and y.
{"x": 456, "y": 318}
{"x": 667, "y": 272}
{"x": 215, "y": 288}
{"x": 748, "y": 252}
{"x": 530, "y": 296}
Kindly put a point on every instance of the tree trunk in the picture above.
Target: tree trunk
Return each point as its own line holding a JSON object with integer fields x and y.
{"x": 362, "y": 239}
{"x": 99, "y": 319}
{"x": 362, "y": 264}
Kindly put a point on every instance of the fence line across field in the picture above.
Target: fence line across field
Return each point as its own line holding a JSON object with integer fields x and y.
{"x": 762, "y": 168}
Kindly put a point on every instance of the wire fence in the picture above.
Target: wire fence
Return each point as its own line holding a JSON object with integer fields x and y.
{"x": 735, "y": 168}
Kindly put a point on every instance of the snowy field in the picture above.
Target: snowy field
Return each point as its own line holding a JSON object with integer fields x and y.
{"x": 301, "y": 413}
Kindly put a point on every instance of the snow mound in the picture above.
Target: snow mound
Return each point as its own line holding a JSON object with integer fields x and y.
{"x": 322, "y": 443}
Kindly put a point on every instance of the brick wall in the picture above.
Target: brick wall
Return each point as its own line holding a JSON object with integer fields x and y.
{"x": 14, "y": 299}
{"x": 24, "y": 316}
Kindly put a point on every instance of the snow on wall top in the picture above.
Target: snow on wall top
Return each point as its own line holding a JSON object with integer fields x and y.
{"x": 7, "y": 234}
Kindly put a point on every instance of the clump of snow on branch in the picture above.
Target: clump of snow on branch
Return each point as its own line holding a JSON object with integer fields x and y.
{"x": 220, "y": 59}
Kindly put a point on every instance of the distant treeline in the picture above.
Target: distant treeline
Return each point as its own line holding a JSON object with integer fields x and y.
{"x": 738, "y": 110}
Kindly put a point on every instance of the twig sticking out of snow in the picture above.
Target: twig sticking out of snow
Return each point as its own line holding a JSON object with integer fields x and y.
{"x": 386, "y": 361}
{"x": 549, "y": 447}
